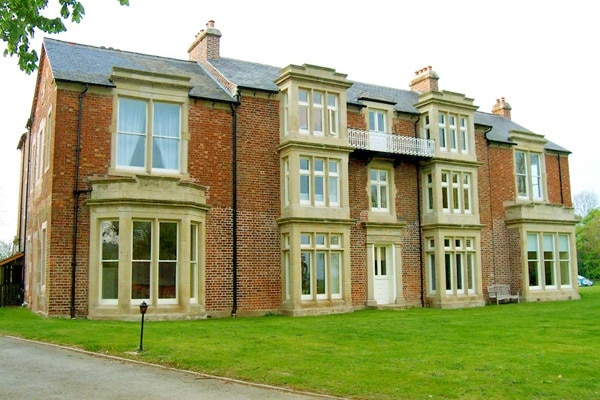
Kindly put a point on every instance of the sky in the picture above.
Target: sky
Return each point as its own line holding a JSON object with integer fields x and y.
{"x": 541, "y": 56}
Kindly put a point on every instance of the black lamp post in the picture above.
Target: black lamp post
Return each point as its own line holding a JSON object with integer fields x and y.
{"x": 143, "y": 309}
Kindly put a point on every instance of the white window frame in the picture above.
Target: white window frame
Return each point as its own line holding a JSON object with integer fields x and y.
{"x": 457, "y": 193}
{"x": 149, "y": 137}
{"x": 459, "y": 265}
{"x": 155, "y": 261}
{"x": 432, "y": 271}
{"x": 102, "y": 299}
{"x": 464, "y": 134}
{"x": 326, "y": 180}
{"x": 318, "y": 250}
{"x": 553, "y": 257}
{"x": 377, "y": 121}
{"x": 194, "y": 262}
{"x": 442, "y": 131}
{"x": 429, "y": 192}
{"x": 318, "y": 105}
{"x": 529, "y": 175}
{"x": 332, "y": 109}
{"x": 377, "y": 185}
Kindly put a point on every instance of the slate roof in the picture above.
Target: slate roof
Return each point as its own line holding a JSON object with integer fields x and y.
{"x": 73, "y": 62}
{"x": 93, "y": 65}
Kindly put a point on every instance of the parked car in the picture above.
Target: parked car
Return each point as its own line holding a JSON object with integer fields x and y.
{"x": 583, "y": 281}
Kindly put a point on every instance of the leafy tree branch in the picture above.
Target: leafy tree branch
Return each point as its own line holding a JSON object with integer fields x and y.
{"x": 20, "y": 19}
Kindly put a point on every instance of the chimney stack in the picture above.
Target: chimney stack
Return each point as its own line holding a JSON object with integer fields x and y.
{"x": 206, "y": 44}
{"x": 502, "y": 108}
{"x": 426, "y": 80}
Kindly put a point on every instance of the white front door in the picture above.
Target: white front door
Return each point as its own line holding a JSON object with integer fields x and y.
{"x": 383, "y": 283}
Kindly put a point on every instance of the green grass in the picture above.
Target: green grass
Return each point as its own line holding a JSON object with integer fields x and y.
{"x": 514, "y": 351}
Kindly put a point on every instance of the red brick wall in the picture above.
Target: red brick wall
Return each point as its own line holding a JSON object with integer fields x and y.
{"x": 259, "y": 259}
{"x": 496, "y": 185}
{"x": 407, "y": 206}
{"x": 359, "y": 206}
{"x": 259, "y": 205}
{"x": 406, "y": 203}
{"x": 559, "y": 185}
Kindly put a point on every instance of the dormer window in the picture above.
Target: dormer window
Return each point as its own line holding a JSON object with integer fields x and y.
{"x": 377, "y": 121}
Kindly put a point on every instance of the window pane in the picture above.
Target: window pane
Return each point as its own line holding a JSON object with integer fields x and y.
{"x": 142, "y": 235}
{"x": 131, "y": 150}
{"x": 318, "y": 112}
{"x": 132, "y": 116}
{"x": 140, "y": 280}
{"x": 168, "y": 241}
{"x": 140, "y": 266}
{"x": 382, "y": 261}
{"x": 520, "y": 163}
{"x": 532, "y": 259}
{"x": 448, "y": 267}
{"x": 110, "y": 280}
{"x": 336, "y": 273}
{"x": 432, "y": 274}
{"x": 321, "y": 265}
{"x": 303, "y": 110}
{"x": 110, "y": 257}
{"x": 110, "y": 240}
{"x": 333, "y": 191}
{"x": 304, "y": 187}
{"x": 165, "y": 153}
{"x": 459, "y": 272}
{"x": 565, "y": 260}
{"x": 193, "y": 261}
{"x": 318, "y": 120}
{"x": 383, "y": 197}
{"x": 303, "y": 118}
{"x": 166, "y": 134}
{"x": 167, "y": 278}
{"x": 131, "y": 139}
{"x": 306, "y": 272}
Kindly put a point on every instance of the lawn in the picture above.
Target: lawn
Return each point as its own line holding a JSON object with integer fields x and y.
{"x": 514, "y": 351}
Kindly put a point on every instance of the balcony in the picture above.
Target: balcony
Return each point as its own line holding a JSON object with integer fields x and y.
{"x": 387, "y": 143}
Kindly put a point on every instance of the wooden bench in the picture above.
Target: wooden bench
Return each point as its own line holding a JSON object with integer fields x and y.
{"x": 502, "y": 292}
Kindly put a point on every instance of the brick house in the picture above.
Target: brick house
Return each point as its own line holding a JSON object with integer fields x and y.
{"x": 214, "y": 187}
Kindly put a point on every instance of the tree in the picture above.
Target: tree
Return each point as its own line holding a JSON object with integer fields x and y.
{"x": 585, "y": 202}
{"x": 588, "y": 245}
{"x": 19, "y": 20}
{"x": 5, "y": 249}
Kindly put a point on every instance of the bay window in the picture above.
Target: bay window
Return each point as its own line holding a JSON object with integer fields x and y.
{"x": 321, "y": 266}
{"x": 548, "y": 260}
{"x": 459, "y": 265}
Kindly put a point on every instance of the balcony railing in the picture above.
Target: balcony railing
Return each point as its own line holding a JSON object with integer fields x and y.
{"x": 388, "y": 143}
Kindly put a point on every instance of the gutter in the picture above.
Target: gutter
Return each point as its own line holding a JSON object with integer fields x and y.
{"x": 76, "y": 194}
{"x": 560, "y": 180}
{"x": 234, "y": 228}
{"x": 23, "y": 229}
{"x": 419, "y": 212}
{"x": 489, "y": 165}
